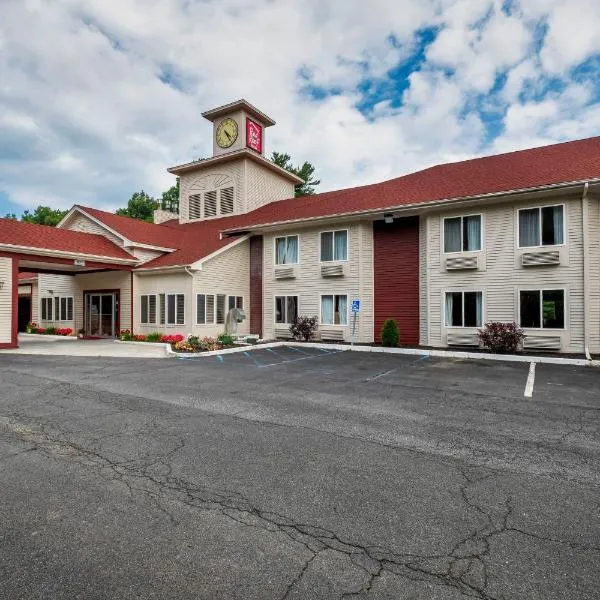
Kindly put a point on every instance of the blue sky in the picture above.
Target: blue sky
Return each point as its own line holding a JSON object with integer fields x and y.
{"x": 100, "y": 98}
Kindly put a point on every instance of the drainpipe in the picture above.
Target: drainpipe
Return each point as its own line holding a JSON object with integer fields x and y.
{"x": 586, "y": 285}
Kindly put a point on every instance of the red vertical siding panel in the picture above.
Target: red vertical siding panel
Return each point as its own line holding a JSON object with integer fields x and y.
{"x": 396, "y": 269}
{"x": 256, "y": 285}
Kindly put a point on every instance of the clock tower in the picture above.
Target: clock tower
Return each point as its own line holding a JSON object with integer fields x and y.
{"x": 237, "y": 126}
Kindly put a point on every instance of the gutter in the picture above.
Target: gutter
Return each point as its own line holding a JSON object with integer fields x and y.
{"x": 586, "y": 275}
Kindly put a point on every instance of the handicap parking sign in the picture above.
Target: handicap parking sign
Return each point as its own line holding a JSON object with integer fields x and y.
{"x": 355, "y": 306}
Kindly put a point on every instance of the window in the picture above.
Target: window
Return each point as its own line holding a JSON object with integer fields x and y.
{"x": 66, "y": 309}
{"x": 542, "y": 309}
{"x": 286, "y": 309}
{"x": 226, "y": 201}
{"x": 334, "y": 245}
{"x": 464, "y": 309}
{"x": 175, "y": 309}
{"x": 57, "y": 309}
{"x": 236, "y": 302}
{"x": 46, "y": 309}
{"x": 462, "y": 234}
{"x": 148, "y": 309}
{"x": 221, "y": 309}
{"x": 210, "y": 203}
{"x": 334, "y": 310}
{"x": 541, "y": 226}
{"x": 161, "y": 309}
{"x": 286, "y": 250}
{"x": 205, "y": 309}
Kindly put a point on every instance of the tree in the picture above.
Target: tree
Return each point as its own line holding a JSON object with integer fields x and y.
{"x": 140, "y": 206}
{"x": 43, "y": 215}
{"x": 305, "y": 172}
{"x": 170, "y": 198}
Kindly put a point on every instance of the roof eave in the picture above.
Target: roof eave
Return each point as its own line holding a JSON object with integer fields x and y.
{"x": 215, "y": 113}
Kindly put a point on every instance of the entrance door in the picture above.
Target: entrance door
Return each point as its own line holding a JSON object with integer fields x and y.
{"x": 24, "y": 312}
{"x": 100, "y": 315}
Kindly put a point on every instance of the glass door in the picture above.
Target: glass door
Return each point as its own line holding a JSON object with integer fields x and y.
{"x": 100, "y": 315}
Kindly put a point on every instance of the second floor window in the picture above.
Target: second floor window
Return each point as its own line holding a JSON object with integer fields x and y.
{"x": 462, "y": 234}
{"x": 286, "y": 250}
{"x": 334, "y": 245}
{"x": 542, "y": 226}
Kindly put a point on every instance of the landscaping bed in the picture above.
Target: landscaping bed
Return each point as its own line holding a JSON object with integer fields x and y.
{"x": 34, "y": 328}
{"x": 182, "y": 345}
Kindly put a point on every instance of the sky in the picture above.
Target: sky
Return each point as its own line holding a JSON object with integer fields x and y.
{"x": 97, "y": 99}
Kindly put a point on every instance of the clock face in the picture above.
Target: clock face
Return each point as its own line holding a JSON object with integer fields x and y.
{"x": 227, "y": 133}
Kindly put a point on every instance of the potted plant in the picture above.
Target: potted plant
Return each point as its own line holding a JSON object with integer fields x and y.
{"x": 80, "y": 333}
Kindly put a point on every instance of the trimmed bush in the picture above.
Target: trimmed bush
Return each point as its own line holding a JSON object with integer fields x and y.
{"x": 50, "y": 331}
{"x": 501, "y": 337}
{"x": 304, "y": 328}
{"x": 154, "y": 336}
{"x": 390, "y": 333}
{"x": 225, "y": 339}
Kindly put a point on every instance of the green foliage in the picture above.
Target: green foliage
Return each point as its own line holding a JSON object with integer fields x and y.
{"x": 154, "y": 336}
{"x": 50, "y": 330}
{"x": 42, "y": 215}
{"x": 170, "y": 198}
{"x": 11, "y": 216}
{"x": 305, "y": 172}
{"x": 225, "y": 339}
{"x": 304, "y": 328}
{"x": 140, "y": 206}
{"x": 390, "y": 333}
{"x": 501, "y": 337}
{"x": 194, "y": 341}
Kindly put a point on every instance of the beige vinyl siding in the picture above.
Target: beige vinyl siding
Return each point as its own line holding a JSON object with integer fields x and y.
{"x": 143, "y": 254}
{"x": 212, "y": 178}
{"x": 500, "y": 275}
{"x": 79, "y": 222}
{"x": 164, "y": 283}
{"x": 32, "y": 289}
{"x": 594, "y": 274}
{"x": 423, "y": 290}
{"x": 61, "y": 286}
{"x": 227, "y": 273}
{"x": 264, "y": 186}
{"x": 239, "y": 116}
{"x": 24, "y": 289}
{"x": 6, "y": 316}
{"x": 309, "y": 285}
{"x": 111, "y": 280}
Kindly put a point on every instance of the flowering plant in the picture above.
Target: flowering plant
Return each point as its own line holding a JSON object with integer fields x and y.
{"x": 182, "y": 346}
{"x": 172, "y": 339}
{"x": 64, "y": 331}
{"x": 125, "y": 335}
{"x": 32, "y": 327}
{"x": 138, "y": 337}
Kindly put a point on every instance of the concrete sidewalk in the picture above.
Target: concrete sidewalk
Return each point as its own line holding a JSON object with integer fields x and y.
{"x": 54, "y": 346}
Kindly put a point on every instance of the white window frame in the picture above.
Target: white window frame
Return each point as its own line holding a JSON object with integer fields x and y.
{"x": 539, "y": 208}
{"x": 236, "y": 297}
{"x": 44, "y": 299}
{"x": 463, "y": 292}
{"x": 462, "y": 220}
{"x": 279, "y": 237}
{"x": 286, "y": 296}
{"x": 66, "y": 299}
{"x": 348, "y": 306}
{"x": 175, "y": 324}
{"x": 540, "y": 290}
{"x": 334, "y": 260}
{"x": 157, "y": 309}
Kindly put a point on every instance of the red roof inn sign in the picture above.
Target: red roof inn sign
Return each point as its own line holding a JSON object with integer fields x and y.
{"x": 253, "y": 136}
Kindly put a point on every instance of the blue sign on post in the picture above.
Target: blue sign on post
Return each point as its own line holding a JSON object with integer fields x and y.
{"x": 355, "y": 306}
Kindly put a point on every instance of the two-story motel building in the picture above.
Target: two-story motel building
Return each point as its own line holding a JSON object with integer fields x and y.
{"x": 512, "y": 237}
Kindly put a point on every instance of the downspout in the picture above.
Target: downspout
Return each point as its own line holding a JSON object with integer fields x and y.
{"x": 586, "y": 284}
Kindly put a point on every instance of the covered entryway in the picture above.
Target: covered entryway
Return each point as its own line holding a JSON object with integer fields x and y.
{"x": 24, "y": 311}
{"x": 101, "y": 314}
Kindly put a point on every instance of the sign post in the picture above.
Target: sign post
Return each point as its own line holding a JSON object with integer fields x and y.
{"x": 355, "y": 311}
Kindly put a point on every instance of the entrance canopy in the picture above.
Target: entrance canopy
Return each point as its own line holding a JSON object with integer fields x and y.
{"x": 40, "y": 249}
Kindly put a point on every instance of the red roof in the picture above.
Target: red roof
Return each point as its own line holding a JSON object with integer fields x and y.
{"x": 43, "y": 237}
{"x": 27, "y": 276}
{"x": 134, "y": 229}
{"x": 556, "y": 164}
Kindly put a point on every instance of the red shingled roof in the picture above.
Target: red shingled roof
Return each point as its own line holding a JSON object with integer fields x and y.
{"x": 525, "y": 169}
{"x": 134, "y": 229}
{"x": 27, "y": 276}
{"x": 17, "y": 233}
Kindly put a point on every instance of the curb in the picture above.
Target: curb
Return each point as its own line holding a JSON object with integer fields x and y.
{"x": 193, "y": 355}
{"x": 43, "y": 336}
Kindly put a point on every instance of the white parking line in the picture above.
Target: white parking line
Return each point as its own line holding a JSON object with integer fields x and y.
{"x": 530, "y": 381}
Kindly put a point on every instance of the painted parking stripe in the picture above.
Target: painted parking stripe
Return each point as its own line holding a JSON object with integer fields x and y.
{"x": 293, "y": 360}
{"x": 276, "y": 353}
{"x": 530, "y": 381}
{"x": 220, "y": 358}
{"x": 300, "y": 351}
{"x": 256, "y": 362}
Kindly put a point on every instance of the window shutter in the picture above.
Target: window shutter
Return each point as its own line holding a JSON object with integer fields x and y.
{"x": 210, "y": 308}
{"x": 161, "y": 309}
{"x": 171, "y": 309}
{"x": 231, "y": 303}
{"x": 44, "y": 309}
{"x": 69, "y": 309}
{"x": 201, "y": 309}
{"x": 210, "y": 204}
{"x": 57, "y": 309}
{"x": 195, "y": 206}
{"x": 220, "y": 309}
{"x": 63, "y": 309}
{"x": 180, "y": 309}
{"x": 144, "y": 310}
{"x": 152, "y": 309}
{"x": 239, "y": 303}
{"x": 226, "y": 198}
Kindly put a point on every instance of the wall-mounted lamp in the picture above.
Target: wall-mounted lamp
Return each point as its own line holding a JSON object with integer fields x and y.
{"x": 1, "y": 284}
{"x": 51, "y": 292}
{"x": 388, "y": 218}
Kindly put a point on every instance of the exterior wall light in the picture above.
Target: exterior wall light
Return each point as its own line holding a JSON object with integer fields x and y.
{"x": 388, "y": 217}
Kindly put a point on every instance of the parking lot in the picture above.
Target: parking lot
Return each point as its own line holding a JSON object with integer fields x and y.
{"x": 298, "y": 473}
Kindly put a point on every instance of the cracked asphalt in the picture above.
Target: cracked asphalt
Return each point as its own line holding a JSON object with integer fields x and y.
{"x": 295, "y": 474}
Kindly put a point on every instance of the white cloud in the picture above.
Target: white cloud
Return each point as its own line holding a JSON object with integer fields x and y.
{"x": 99, "y": 98}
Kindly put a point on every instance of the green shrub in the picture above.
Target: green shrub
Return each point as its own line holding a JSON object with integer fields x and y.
{"x": 225, "y": 339}
{"x": 390, "y": 334}
{"x": 193, "y": 341}
{"x": 154, "y": 336}
{"x": 501, "y": 337}
{"x": 50, "y": 330}
{"x": 304, "y": 328}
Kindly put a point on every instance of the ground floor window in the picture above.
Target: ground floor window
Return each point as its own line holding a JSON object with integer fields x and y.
{"x": 236, "y": 302}
{"x": 148, "y": 309}
{"x": 464, "y": 309}
{"x": 334, "y": 309}
{"x": 542, "y": 309}
{"x": 175, "y": 309}
{"x": 205, "y": 309}
{"x": 286, "y": 309}
{"x": 66, "y": 308}
{"x": 46, "y": 309}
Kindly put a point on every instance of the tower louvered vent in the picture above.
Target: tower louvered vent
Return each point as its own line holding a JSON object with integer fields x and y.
{"x": 226, "y": 200}
{"x": 195, "y": 206}
{"x": 210, "y": 204}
